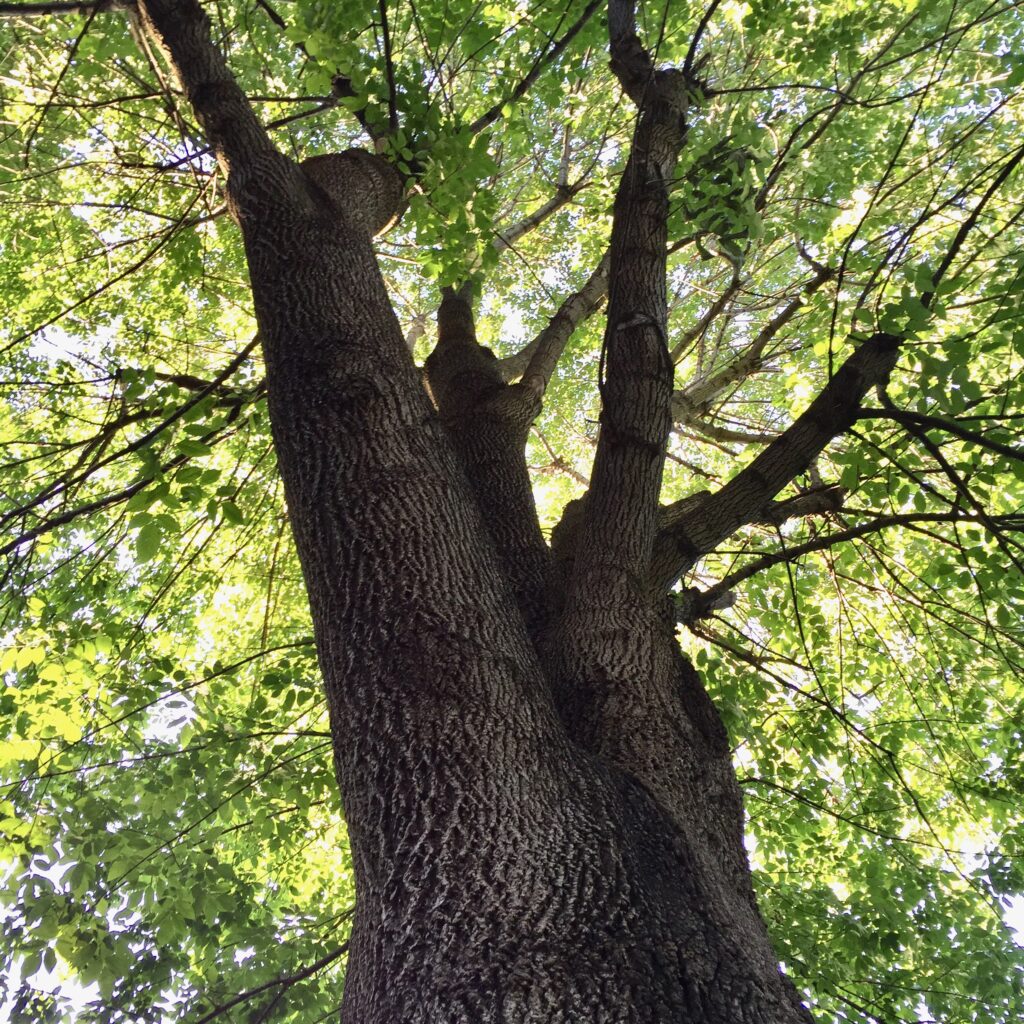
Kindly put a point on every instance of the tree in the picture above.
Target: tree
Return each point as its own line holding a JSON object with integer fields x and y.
{"x": 789, "y": 434}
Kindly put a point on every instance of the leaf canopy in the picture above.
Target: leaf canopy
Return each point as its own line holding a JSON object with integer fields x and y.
{"x": 170, "y": 832}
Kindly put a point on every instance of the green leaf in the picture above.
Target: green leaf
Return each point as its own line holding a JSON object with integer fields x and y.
{"x": 148, "y": 541}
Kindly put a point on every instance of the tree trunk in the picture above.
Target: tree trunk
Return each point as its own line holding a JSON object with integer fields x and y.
{"x": 518, "y": 858}
{"x": 503, "y": 871}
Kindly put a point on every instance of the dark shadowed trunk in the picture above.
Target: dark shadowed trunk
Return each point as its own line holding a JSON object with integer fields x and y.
{"x": 544, "y": 819}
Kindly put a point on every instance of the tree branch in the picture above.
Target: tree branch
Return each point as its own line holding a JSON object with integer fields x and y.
{"x": 698, "y": 604}
{"x": 536, "y": 362}
{"x": 543, "y": 61}
{"x": 815, "y": 502}
{"x": 692, "y": 333}
{"x": 694, "y": 534}
{"x": 286, "y": 982}
{"x": 507, "y": 237}
{"x": 949, "y": 426}
{"x": 252, "y": 165}
{"x": 630, "y": 61}
{"x": 694, "y": 399}
{"x": 488, "y": 422}
{"x": 140, "y": 442}
{"x": 63, "y": 7}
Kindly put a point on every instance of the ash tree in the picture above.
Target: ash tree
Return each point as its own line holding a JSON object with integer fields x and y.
{"x": 512, "y": 512}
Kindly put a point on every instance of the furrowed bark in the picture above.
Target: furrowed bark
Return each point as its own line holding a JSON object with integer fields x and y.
{"x": 692, "y": 530}
{"x": 624, "y": 689}
{"x": 462, "y": 830}
{"x": 488, "y": 422}
{"x": 608, "y": 635}
{"x": 503, "y": 874}
{"x": 256, "y": 172}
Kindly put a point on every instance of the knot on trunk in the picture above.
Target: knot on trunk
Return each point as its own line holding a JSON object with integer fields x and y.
{"x": 366, "y": 187}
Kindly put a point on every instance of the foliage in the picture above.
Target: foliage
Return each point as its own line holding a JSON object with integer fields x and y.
{"x": 171, "y": 835}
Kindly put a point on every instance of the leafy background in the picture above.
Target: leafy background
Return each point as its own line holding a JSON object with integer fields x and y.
{"x": 170, "y": 829}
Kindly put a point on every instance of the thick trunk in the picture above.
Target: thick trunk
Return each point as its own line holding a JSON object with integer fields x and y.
{"x": 508, "y": 868}
{"x": 503, "y": 873}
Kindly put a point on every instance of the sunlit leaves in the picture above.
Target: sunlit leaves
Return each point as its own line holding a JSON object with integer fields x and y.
{"x": 169, "y": 826}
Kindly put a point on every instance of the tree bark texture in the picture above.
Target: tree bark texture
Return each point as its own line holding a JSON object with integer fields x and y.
{"x": 544, "y": 820}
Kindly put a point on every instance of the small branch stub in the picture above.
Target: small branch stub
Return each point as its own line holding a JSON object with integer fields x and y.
{"x": 362, "y": 184}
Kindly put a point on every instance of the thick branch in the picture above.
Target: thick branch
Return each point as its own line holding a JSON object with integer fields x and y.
{"x": 631, "y": 63}
{"x": 816, "y": 502}
{"x": 613, "y": 651}
{"x": 251, "y": 164}
{"x": 636, "y": 389}
{"x": 697, "y": 532}
{"x": 488, "y": 422}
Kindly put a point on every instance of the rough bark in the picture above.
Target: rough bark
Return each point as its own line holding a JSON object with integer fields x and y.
{"x": 488, "y": 422}
{"x": 509, "y": 867}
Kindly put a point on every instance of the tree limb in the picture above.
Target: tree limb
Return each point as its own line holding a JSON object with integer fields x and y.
{"x": 63, "y": 7}
{"x": 140, "y": 442}
{"x": 692, "y": 333}
{"x": 949, "y": 426}
{"x": 252, "y": 165}
{"x": 488, "y": 422}
{"x": 696, "y": 533}
{"x": 694, "y": 399}
{"x": 507, "y": 237}
{"x": 631, "y": 63}
{"x": 536, "y": 362}
{"x": 285, "y": 982}
{"x": 698, "y": 604}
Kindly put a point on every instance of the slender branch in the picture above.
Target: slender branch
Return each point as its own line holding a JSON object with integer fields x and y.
{"x": 702, "y": 25}
{"x": 536, "y": 362}
{"x": 106, "y": 501}
{"x": 276, "y": 18}
{"x": 287, "y": 981}
{"x": 714, "y": 432}
{"x": 690, "y": 335}
{"x": 958, "y": 239}
{"x": 63, "y": 7}
{"x": 507, "y": 237}
{"x": 694, "y": 399}
{"x": 543, "y": 61}
{"x": 142, "y": 441}
{"x": 949, "y": 426}
{"x": 389, "y": 67}
{"x": 700, "y": 603}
